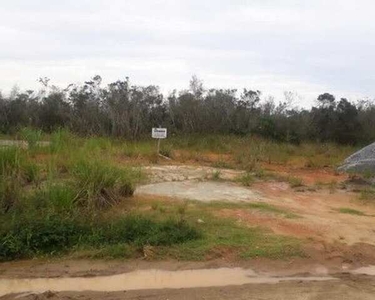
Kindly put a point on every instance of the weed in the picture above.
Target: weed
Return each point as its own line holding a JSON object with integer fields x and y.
{"x": 166, "y": 150}
{"x": 246, "y": 179}
{"x": 216, "y": 175}
{"x": 221, "y": 164}
{"x": 295, "y": 181}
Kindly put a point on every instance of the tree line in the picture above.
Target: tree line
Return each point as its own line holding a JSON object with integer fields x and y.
{"x": 123, "y": 110}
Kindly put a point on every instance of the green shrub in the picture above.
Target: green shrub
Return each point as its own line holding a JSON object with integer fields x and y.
{"x": 34, "y": 235}
{"x": 26, "y": 237}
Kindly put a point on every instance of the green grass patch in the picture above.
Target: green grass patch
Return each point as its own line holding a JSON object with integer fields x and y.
{"x": 261, "y": 206}
{"x": 31, "y": 236}
{"x": 223, "y": 235}
{"x": 350, "y": 211}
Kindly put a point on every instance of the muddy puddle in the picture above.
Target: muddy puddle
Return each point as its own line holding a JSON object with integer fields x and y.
{"x": 146, "y": 279}
{"x": 200, "y": 191}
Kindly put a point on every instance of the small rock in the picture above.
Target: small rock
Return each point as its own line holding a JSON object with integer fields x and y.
{"x": 200, "y": 221}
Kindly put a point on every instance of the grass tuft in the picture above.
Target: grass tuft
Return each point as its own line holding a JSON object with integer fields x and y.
{"x": 295, "y": 181}
{"x": 246, "y": 179}
{"x": 101, "y": 185}
{"x": 345, "y": 210}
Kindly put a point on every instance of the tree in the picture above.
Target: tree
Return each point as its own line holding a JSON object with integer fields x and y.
{"x": 324, "y": 117}
{"x": 347, "y": 125}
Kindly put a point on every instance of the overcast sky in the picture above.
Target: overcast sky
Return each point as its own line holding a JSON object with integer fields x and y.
{"x": 305, "y": 46}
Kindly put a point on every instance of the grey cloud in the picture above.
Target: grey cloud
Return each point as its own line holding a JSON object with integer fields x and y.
{"x": 305, "y": 46}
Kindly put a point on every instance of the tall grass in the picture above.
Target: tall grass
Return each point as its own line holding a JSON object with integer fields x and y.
{"x": 31, "y": 136}
{"x": 15, "y": 171}
{"x": 100, "y": 185}
{"x": 61, "y": 140}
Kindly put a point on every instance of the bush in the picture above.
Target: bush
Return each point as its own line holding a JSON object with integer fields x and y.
{"x": 26, "y": 237}
{"x": 32, "y": 235}
{"x": 101, "y": 185}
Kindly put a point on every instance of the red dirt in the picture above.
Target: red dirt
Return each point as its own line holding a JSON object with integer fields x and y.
{"x": 308, "y": 175}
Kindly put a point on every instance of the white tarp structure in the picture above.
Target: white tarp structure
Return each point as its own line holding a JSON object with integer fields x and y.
{"x": 361, "y": 161}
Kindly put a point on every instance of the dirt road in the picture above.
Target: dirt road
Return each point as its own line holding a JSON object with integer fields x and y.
{"x": 222, "y": 283}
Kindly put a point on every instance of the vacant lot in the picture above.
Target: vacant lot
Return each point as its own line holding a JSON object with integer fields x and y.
{"x": 219, "y": 201}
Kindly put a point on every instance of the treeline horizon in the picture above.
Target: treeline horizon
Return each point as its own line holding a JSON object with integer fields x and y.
{"x": 123, "y": 110}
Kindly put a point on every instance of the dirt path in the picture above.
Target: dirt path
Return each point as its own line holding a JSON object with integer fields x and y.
{"x": 319, "y": 211}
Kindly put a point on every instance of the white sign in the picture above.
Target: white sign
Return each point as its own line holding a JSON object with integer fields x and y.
{"x": 159, "y": 133}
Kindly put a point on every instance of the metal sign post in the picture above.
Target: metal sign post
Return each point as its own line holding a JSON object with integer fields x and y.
{"x": 159, "y": 133}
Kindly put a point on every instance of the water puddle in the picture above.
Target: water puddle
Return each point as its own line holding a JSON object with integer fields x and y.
{"x": 200, "y": 191}
{"x": 146, "y": 279}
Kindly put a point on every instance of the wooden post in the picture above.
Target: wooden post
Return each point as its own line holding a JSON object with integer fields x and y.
{"x": 158, "y": 147}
